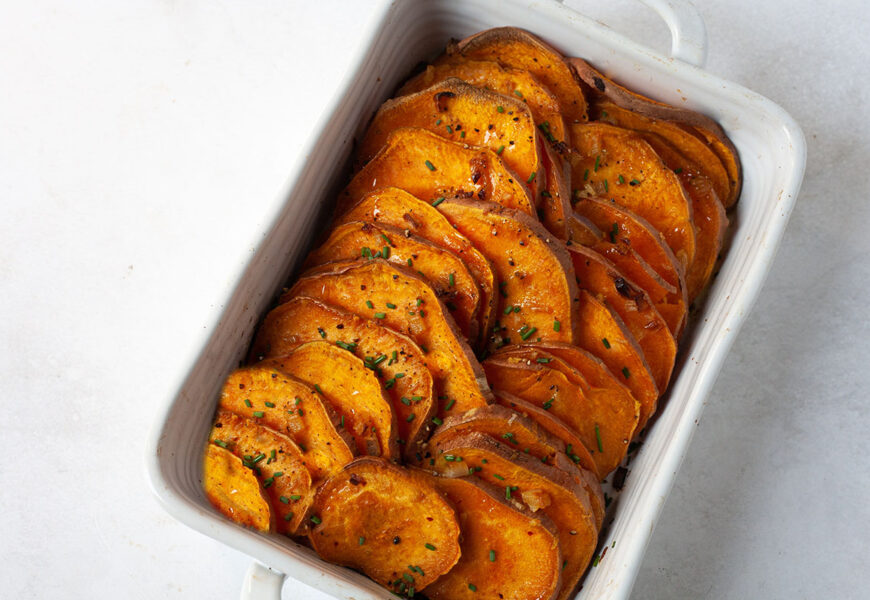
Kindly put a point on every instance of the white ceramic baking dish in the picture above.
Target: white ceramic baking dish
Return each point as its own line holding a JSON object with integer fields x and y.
{"x": 773, "y": 153}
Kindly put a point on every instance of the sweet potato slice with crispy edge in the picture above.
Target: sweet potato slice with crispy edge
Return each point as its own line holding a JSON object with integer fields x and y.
{"x": 498, "y": 539}
{"x": 604, "y": 423}
{"x": 508, "y": 81}
{"x": 392, "y": 206}
{"x": 386, "y": 352}
{"x": 696, "y": 123}
{"x": 429, "y": 167}
{"x": 686, "y": 142}
{"x": 352, "y": 389}
{"x": 463, "y": 113}
{"x": 520, "y": 49}
{"x": 555, "y": 207}
{"x": 536, "y": 281}
{"x": 523, "y": 434}
{"x": 235, "y": 491}
{"x": 600, "y": 277}
{"x": 605, "y": 335}
{"x": 388, "y": 522}
{"x": 281, "y": 402}
{"x": 540, "y": 487}
{"x": 583, "y": 231}
{"x": 419, "y": 314}
{"x": 553, "y": 425}
{"x": 278, "y": 464}
{"x": 709, "y": 215}
{"x": 444, "y": 271}
{"x": 621, "y": 165}
{"x": 648, "y": 244}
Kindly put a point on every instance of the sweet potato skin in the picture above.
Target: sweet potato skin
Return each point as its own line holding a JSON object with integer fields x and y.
{"x": 291, "y": 493}
{"x": 395, "y": 207}
{"x": 465, "y": 114}
{"x": 442, "y": 269}
{"x": 412, "y": 396}
{"x": 419, "y": 314}
{"x": 600, "y": 277}
{"x": 520, "y": 49}
{"x": 540, "y": 487}
{"x": 429, "y": 167}
{"x": 269, "y": 396}
{"x": 620, "y": 164}
{"x": 507, "y": 81}
{"x": 498, "y": 540}
{"x": 352, "y": 389}
{"x": 534, "y": 271}
{"x": 234, "y": 490}
{"x": 380, "y": 518}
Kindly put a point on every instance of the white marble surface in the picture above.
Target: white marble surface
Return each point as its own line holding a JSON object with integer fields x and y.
{"x": 137, "y": 141}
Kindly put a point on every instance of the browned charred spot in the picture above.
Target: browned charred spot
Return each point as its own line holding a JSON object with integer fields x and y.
{"x": 410, "y": 220}
{"x": 362, "y": 287}
{"x": 619, "y": 478}
{"x": 367, "y": 228}
{"x": 561, "y": 147}
{"x": 464, "y": 194}
{"x": 441, "y": 99}
{"x": 599, "y": 83}
{"x": 340, "y": 326}
{"x": 622, "y": 287}
{"x": 481, "y": 194}
{"x": 218, "y": 425}
{"x": 355, "y": 479}
{"x": 241, "y": 386}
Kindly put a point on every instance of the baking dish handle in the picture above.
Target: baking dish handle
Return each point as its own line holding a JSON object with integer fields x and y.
{"x": 688, "y": 33}
{"x": 262, "y": 583}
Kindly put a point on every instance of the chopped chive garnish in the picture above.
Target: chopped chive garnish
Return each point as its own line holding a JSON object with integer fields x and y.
{"x": 221, "y": 443}
{"x": 626, "y": 372}
{"x": 316, "y": 520}
{"x": 471, "y": 586}
{"x": 556, "y": 325}
{"x": 435, "y": 203}
{"x": 518, "y": 93}
{"x": 585, "y": 175}
{"x": 405, "y": 401}
{"x": 385, "y": 238}
{"x": 366, "y": 252}
{"x": 621, "y": 179}
{"x": 380, "y": 315}
{"x": 248, "y": 403}
{"x": 462, "y": 134}
{"x": 438, "y": 122}
{"x": 529, "y": 333}
{"x": 634, "y": 182}
{"x": 270, "y": 404}
{"x": 543, "y": 360}
{"x": 341, "y": 422}
{"x": 391, "y": 305}
{"x": 437, "y": 421}
{"x": 411, "y": 417}
{"x": 410, "y": 263}
{"x": 429, "y": 546}
{"x": 295, "y": 497}
{"x": 497, "y": 476}
{"x": 614, "y": 231}
{"x": 450, "y": 404}
{"x": 258, "y": 414}
{"x": 369, "y": 304}
{"x": 549, "y": 403}
{"x": 500, "y": 149}
{"x": 288, "y": 516}
{"x": 362, "y": 540}
{"x": 408, "y": 578}
{"x": 531, "y": 177}
{"x": 321, "y": 332}
{"x": 606, "y": 343}
{"x": 317, "y": 387}
{"x": 492, "y": 556}
{"x": 451, "y": 280}
{"x": 449, "y": 129}
{"x": 346, "y": 346}
{"x": 430, "y": 166}
{"x": 605, "y": 185}
{"x": 678, "y": 170}
{"x": 597, "y": 159}
{"x": 298, "y": 400}
{"x": 385, "y": 252}
{"x": 598, "y": 438}
{"x": 500, "y": 109}
{"x": 508, "y": 310}
{"x": 285, "y": 499}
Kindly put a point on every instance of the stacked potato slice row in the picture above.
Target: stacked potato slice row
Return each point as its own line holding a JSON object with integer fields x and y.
{"x": 490, "y": 320}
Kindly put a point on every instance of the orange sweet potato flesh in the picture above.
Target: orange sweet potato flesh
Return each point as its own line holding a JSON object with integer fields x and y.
{"x": 555, "y": 207}
{"x": 709, "y": 215}
{"x": 605, "y": 335}
{"x": 695, "y": 123}
{"x": 520, "y": 49}
{"x": 269, "y": 396}
{"x": 429, "y": 167}
{"x": 508, "y": 81}
{"x": 600, "y": 277}
{"x": 540, "y": 487}
{"x": 419, "y": 314}
{"x": 523, "y": 434}
{"x": 534, "y": 271}
{"x": 592, "y": 414}
{"x": 619, "y": 164}
{"x": 278, "y": 464}
{"x": 634, "y": 231}
{"x": 687, "y": 143}
{"x": 352, "y": 389}
{"x": 412, "y": 395}
{"x": 380, "y": 519}
{"x": 465, "y": 114}
{"x": 444, "y": 271}
{"x": 235, "y": 491}
{"x": 499, "y": 539}
{"x": 395, "y": 207}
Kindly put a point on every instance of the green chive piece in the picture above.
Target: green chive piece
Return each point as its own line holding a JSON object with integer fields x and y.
{"x": 614, "y": 231}
{"x": 598, "y": 438}
{"x": 462, "y": 135}
{"x": 678, "y": 170}
{"x": 605, "y": 185}
{"x": 518, "y": 93}
{"x": 556, "y": 325}
{"x": 411, "y": 417}
{"x": 621, "y": 179}
{"x": 500, "y": 149}
{"x": 385, "y": 252}
{"x": 380, "y": 315}
{"x": 451, "y": 279}
{"x": 634, "y": 182}
{"x": 500, "y": 109}
{"x": 284, "y": 499}
{"x": 531, "y": 177}
{"x": 362, "y": 540}
{"x": 492, "y": 556}
{"x": 369, "y": 304}
{"x": 408, "y": 578}
{"x": 410, "y": 263}
{"x": 316, "y": 520}
{"x": 597, "y": 160}
{"x": 248, "y": 403}
{"x": 429, "y": 546}
{"x": 606, "y": 343}
{"x": 497, "y": 476}
{"x": 437, "y": 421}
{"x": 258, "y": 414}
{"x": 288, "y": 516}
{"x": 585, "y": 175}
{"x": 626, "y": 372}
{"x": 435, "y": 203}
{"x": 341, "y": 422}
{"x": 405, "y": 401}
{"x": 529, "y": 333}
{"x": 295, "y": 497}
{"x": 543, "y": 361}
{"x": 221, "y": 443}
{"x": 450, "y": 404}
{"x": 270, "y": 404}
{"x": 317, "y": 387}
{"x": 508, "y": 310}
{"x": 471, "y": 586}
{"x": 449, "y": 129}
{"x": 430, "y": 166}
{"x": 438, "y": 122}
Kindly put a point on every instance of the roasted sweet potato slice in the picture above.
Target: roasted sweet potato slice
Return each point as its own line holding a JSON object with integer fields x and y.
{"x": 430, "y": 167}
{"x": 281, "y": 402}
{"x": 392, "y": 206}
{"x": 620, "y": 164}
{"x": 604, "y": 422}
{"x": 387, "y": 352}
{"x": 600, "y": 277}
{"x": 388, "y": 522}
{"x": 555, "y": 206}
{"x": 498, "y": 78}
{"x": 444, "y": 271}
{"x": 686, "y": 142}
{"x": 605, "y": 335}
{"x": 234, "y": 490}
{"x": 520, "y": 49}
{"x": 523, "y": 434}
{"x": 537, "y": 289}
{"x": 278, "y": 464}
{"x": 583, "y": 231}
{"x": 498, "y": 539}
{"x": 540, "y": 487}
{"x": 466, "y": 114}
{"x": 708, "y": 214}
{"x": 700, "y": 125}
{"x": 352, "y": 389}
{"x": 419, "y": 314}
